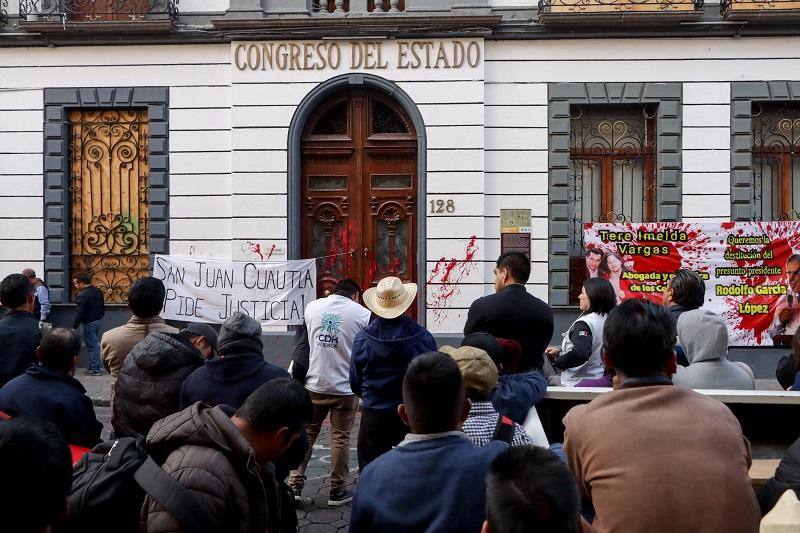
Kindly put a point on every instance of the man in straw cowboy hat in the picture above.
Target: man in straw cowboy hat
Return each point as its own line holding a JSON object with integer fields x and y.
{"x": 381, "y": 354}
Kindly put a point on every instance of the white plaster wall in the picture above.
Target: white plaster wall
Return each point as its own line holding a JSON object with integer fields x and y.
{"x": 515, "y": 134}
{"x": 706, "y": 151}
{"x": 199, "y": 81}
{"x": 21, "y": 187}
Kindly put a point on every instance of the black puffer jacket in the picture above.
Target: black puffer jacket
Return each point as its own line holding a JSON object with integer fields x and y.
{"x": 787, "y": 476}
{"x": 149, "y": 384}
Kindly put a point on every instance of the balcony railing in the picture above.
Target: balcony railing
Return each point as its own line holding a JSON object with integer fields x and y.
{"x": 342, "y": 7}
{"x": 3, "y": 12}
{"x": 632, "y": 11}
{"x": 778, "y": 10}
{"x": 98, "y": 11}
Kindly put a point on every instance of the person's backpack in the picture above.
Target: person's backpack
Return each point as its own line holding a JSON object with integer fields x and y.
{"x": 109, "y": 486}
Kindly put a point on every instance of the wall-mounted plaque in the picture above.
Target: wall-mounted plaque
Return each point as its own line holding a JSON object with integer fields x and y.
{"x": 515, "y": 231}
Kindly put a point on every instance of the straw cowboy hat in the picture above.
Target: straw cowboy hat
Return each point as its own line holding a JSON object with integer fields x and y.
{"x": 390, "y": 298}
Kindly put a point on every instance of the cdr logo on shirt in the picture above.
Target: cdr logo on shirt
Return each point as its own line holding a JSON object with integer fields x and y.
{"x": 331, "y": 325}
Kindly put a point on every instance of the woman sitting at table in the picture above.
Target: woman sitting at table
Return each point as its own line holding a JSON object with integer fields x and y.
{"x": 580, "y": 355}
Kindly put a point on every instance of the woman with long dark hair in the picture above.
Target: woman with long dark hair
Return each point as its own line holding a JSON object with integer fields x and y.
{"x": 580, "y": 354}
{"x": 612, "y": 268}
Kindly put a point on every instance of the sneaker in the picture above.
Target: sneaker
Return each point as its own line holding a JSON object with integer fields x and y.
{"x": 91, "y": 372}
{"x": 297, "y": 491}
{"x": 340, "y": 497}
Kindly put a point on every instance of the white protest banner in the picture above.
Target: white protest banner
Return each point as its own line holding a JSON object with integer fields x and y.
{"x": 210, "y": 290}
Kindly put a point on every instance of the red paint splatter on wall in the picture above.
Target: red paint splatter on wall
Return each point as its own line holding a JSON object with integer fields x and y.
{"x": 271, "y": 251}
{"x": 445, "y": 278}
{"x": 253, "y": 248}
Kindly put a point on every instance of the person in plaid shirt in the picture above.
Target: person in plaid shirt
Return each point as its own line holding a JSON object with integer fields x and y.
{"x": 480, "y": 378}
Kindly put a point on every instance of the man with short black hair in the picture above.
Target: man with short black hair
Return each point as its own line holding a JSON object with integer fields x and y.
{"x": 149, "y": 384}
{"x": 513, "y": 313}
{"x": 332, "y": 324}
{"x": 685, "y": 291}
{"x": 645, "y": 445}
{"x": 145, "y": 299}
{"x": 530, "y": 489}
{"x": 48, "y": 390}
{"x": 37, "y": 471}
{"x": 41, "y": 306}
{"x": 434, "y": 480}
{"x": 89, "y": 311}
{"x": 224, "y": 458}
{"x": 19, "y": 330}
{"x": 594, "y": 257}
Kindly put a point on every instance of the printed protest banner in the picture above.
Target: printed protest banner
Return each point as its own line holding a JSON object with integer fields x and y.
{"x": 209, "y": 290}
{"x": 750, "y": 269}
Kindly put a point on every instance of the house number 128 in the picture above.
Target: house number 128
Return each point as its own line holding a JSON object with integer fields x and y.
{"x": 442, "y": 206}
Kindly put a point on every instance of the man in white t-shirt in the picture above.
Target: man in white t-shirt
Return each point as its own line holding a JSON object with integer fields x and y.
{"x": 332, "y": 324}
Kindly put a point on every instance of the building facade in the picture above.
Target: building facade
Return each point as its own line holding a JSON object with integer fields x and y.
{"x": 384, "y": 137}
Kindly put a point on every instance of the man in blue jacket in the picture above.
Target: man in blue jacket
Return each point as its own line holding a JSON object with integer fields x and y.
{"x": 435, "y": 480}
{"x": 48, "y": 391}
{"x": 381, "y": 354}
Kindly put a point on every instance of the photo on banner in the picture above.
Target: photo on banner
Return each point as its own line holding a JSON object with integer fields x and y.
{"x": 210, "y": 290}
{"x": 751, "y": 269}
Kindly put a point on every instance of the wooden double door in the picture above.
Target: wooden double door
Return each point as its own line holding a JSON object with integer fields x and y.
{"x": 359, "y": 187}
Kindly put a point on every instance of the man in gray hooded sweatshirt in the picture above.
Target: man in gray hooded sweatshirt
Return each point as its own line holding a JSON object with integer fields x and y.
{"x": 704, "y": 338}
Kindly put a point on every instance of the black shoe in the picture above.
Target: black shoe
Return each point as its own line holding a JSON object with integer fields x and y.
{"x": 340, "y": 497}
{"x": 91, "y": 372}
{"x": 297, "y": 491}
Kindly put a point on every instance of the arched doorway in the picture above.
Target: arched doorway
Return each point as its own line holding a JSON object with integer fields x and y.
{"x": 359, "y": 185}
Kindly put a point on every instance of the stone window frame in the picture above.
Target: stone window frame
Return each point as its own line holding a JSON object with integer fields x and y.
{"x": 57, "y": 103}
{"x": 669, "y": 98}
{"x": 743, "y": 94}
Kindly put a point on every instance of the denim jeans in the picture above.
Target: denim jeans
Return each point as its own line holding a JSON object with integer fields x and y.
{"x": 91, "y": 332}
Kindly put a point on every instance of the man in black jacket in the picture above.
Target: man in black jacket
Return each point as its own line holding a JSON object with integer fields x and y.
{"x": 236, "y": 371}
{"x": 19, "y": 330}
{"x": 51, "y": 393}
{"x": 89, "y": 317}
{"x": 513, "y": 313}
{"x": 149, "y": 383}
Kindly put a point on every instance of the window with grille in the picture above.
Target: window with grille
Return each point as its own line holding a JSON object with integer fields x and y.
{"x": 108, "y": 198}
{"x": 612, "y": 173}
{"x": 776, "y": 161}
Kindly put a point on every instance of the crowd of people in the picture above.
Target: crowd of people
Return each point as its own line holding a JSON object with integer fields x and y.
{"x": 208, "y": 436}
